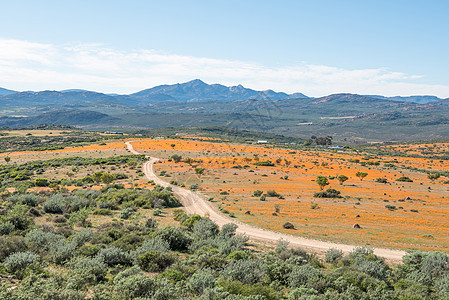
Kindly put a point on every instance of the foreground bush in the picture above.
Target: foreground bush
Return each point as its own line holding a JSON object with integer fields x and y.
{"x": 114, "y": 256}
{"x": 155, "y": 261}
{"x": 20, "y": 261}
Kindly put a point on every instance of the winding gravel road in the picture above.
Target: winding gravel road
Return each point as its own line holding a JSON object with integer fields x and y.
{"x": 195, "y": 203}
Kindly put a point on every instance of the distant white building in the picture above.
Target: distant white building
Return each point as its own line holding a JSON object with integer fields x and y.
{"x": 262, "y": 142}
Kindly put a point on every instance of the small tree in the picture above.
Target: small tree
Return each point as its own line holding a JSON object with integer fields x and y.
{"x": 107, "y": 178}
{"x": 7, "y": 159}
{"x": 322, "y": 181}
{"x": 433, "y": 176}
{"x": 97, "y": 177}
{"x": 41, "y": 182}
{"x": 324, "y": 140}
{"x": 199, "y": 171}
{"x": 342, "y": 179}
{"x": 176, "y": 158}
{"x": 361, "y": 175}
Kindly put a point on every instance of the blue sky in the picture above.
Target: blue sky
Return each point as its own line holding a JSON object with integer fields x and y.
{"x": 316, "y": 47}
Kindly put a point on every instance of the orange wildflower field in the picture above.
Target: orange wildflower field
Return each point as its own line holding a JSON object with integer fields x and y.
{"x": 394, "y": 214}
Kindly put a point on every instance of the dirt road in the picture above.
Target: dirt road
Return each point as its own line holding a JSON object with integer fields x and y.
{"x": 195, "y": 203}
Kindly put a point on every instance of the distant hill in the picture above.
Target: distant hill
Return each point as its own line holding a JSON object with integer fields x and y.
{"x": 67, "y": 117}
{"x": 416, "y": 99}
{"x": 346, "y": 117}
{"x": 6, "y": 92}
{"x": 54, "y": 97}
{"x": 192, "y": 91}
{"x": 197, "y": 90}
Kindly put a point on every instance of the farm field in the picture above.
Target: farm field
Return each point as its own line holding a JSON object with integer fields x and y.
{"x": 408, "y": 214}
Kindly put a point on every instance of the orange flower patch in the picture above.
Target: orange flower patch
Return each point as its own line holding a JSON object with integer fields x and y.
{"x": 392, "y": 214}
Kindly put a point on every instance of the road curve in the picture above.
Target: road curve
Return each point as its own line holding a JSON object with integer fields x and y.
{"x": 195, "y": 203}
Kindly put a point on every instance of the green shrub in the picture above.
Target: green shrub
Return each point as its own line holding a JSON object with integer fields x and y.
{"x": 288, "y": 225}
{"x": 82, "y": 237}
{"x": 26, "y": 199}
{"x": 61, "y": 251}
{"x": 246, "y": 271}
{"x": 191, "y": 220}
{"x": 333, "y": 255}
{"x": 41, "y": 182}
{"x": 381, "y": 180}
{"x": 248, "y": 291}
{"x": 238, "y": 255}
{"x": 329, "y": 193}
{"x": 76, "y": 204}
{"x": 154, "y": 244}
{"x": 126, "y": 213}
{"x": 176, "y": 238}
{"x": 6, "y": 228}
{"x": 39, "y": 240}
{"x": 54, "y": 205}
{"x": 103, "y": 212}
{"x": 257, "y": 193}
{"x": 89, "y": 250}
{"x": 79, "y": 218}
{"x": 93, "y": 266}
{"x": 151, "y": 223}
{"x": 265, "y": 163}
{"x": 131, "y": 284}
{"x": 304, "y": 276}
{"x": 272, "y": 193}
{"x": 199, "y": 282}
{"x": 113, "y": 256}
{"x": 128, "y": 242}
{"x": 433, "y": 175}
{"x": 155, "y": 261}
{"x": 194, "y": 187}
{"x": 404, "y": 179}
{"x": 390, "y": 207}
{"x": 10, "y": 245}
{"x": 205, "y": 229}
{"x": 19, "y": 216}
{"x": 20, "y": 261}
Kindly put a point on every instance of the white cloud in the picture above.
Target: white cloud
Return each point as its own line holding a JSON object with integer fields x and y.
{"x": 35, "y": 66}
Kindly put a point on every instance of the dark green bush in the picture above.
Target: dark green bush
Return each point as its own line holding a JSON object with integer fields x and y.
{"x": 333, "y": 255}
{"x": 10, "y": 245}
{"x": 113, "y": 256}
{"x": 6, "y": 228}
{"x": 20, "y": 261}
{"x": 381, "y": 180}
{"x": 329, "y": 193}
{"x": 404, "y": 179}
{"x": 257, "y": 193}
{"x": 177, "y": 238}
{"x": 54, "y": 205}
{"x": 155, "y": 261}
{"x": 265, "y": 163}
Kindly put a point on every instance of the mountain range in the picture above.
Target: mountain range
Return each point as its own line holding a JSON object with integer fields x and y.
{"x": 356, "y": 118}
{"x": 192, "y": 91}
{"x": 6, "y": 92}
